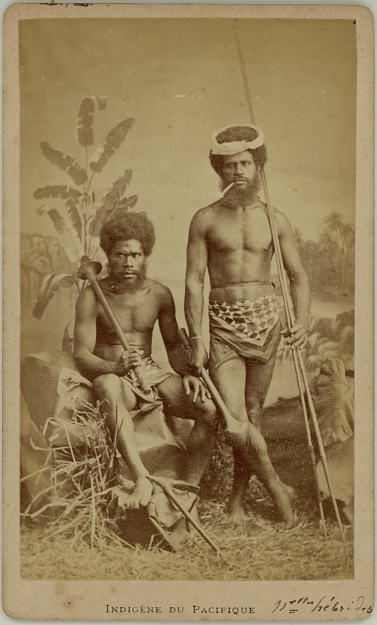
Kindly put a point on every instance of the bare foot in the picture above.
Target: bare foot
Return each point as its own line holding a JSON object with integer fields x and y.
{"x": 290, "y": 492}
{"x": 141, "y": 494}
{"x": 282, "y": 496}
{"x": 290, "y": 527}
{"x": 237, "y": 512}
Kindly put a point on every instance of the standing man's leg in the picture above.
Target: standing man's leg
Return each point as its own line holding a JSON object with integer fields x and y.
{"x": 230, "y": 379}
{"x": 258, "y": 380}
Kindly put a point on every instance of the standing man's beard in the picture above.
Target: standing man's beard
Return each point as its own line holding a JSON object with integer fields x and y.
{"x": 243, "y": 196}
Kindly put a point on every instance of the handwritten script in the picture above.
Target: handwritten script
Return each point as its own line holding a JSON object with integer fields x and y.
{"x": 324, "y": 604}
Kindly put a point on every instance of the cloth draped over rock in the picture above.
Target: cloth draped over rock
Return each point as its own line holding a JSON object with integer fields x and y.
{"x": 54, "y": 392}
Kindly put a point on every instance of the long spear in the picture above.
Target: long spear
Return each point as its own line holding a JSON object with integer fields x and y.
{"x": 302, "y": 382}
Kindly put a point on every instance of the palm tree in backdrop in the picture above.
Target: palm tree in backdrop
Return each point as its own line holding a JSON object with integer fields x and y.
{"x": 75, "y": 211}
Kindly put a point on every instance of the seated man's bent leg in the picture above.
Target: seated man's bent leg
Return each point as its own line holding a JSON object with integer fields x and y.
{"x": 229, "y": 378}
{"x": 117, "y": 402}
{"x": 201, "y": 442}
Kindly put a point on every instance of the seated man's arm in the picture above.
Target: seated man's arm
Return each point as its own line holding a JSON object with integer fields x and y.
{"x": 197, "y": 257}
{"x": 298, "y": 278}
{"x": 90, "y": 365}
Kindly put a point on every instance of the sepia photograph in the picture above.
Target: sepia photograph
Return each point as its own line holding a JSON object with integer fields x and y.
{"x": 193, "y": 238}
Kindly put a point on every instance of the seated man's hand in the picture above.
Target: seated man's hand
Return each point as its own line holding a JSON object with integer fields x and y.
{"x": 196, "y": 355}
{"x": 191, "y": 383}
{"x": 128, "y": 360}
{"x": 297, "y": 337}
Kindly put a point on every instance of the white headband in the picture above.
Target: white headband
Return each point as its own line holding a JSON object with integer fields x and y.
{"x": 234, "y": 147}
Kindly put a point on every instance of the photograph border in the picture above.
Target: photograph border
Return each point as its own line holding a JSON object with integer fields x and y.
{"x": 86, "y": 600}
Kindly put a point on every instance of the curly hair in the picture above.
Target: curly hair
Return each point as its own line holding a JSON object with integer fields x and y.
{"x": 238, "y": 133}
{"x": 125, "y": 227}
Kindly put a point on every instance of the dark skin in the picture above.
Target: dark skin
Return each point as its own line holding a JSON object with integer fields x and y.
{"x": 138, "y": 303}
{"x": 232, "y": 239}
{"x": 234, "y": 243}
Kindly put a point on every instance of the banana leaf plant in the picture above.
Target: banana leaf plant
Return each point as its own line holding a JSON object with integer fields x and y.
{"x": 74, "y": 210}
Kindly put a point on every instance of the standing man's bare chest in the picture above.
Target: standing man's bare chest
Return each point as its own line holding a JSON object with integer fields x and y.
{"x": 236, "y": 230}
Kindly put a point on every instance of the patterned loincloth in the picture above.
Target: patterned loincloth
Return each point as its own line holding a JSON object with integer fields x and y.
{"x": 153, "y": 374}
{"x": 250, "y": 329}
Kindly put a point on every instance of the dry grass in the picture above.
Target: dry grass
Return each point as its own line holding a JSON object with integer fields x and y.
{"x": 82, "y": 542}
{"x": 255, "y": 550}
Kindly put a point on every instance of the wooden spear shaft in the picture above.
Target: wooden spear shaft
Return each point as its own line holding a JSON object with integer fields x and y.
{"x": 230, "y": 421}
{"x": 290, "y": 317}
{"x": 234, "y": 428}
{"x": 302, "y": 381}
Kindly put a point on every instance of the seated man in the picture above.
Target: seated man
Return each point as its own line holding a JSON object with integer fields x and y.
{"x": 138, "y": 303}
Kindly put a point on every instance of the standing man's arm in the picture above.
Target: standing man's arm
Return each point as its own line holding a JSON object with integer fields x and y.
{"x": 298, "y": 278}
{"x": 197, "y": 256}
{"x": 169, "y": 331}
{"x": 174, "y": 348}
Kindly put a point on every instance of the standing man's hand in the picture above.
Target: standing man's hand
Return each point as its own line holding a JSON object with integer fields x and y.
{"x": 196, "y": 355}
{"x": 297, "y": 337}
{"x": 196, "y": 387}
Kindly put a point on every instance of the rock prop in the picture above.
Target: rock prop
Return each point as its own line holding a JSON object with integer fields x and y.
{"x": 63, "y": 435}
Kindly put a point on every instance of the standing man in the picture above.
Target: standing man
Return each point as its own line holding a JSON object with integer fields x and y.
{"x": 138, "y": 303}
{"x": 232, "y": 238}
